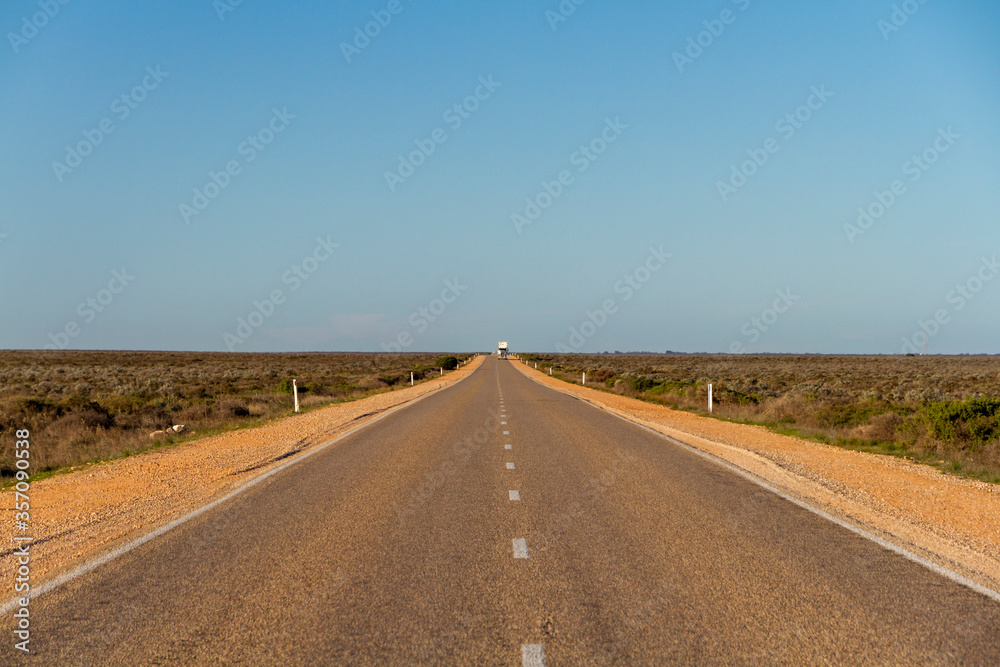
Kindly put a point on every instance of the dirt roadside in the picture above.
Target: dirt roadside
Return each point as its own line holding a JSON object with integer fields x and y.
{"x": 78, "y": 515}
{"x": 951, "y": 521}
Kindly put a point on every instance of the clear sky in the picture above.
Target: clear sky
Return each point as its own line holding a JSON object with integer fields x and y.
{"x": 623, "y": 176}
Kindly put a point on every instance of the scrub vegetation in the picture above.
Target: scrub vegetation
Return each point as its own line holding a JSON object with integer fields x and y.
{"x": 83, "y": 406}
{"x": 940, "y": 410}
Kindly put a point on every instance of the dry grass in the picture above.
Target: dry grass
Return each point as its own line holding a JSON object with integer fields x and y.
{"x": 82, "y": 406}
{"x": 941, "y": 410}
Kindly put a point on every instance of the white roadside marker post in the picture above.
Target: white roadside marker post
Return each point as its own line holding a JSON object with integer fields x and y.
{"x": 709, "y": 396}
{"x": 411, "y": 378}
{"x": 442, "y": 370}
{"x": 585, "y": 377}
{"x": 295, "y": 392}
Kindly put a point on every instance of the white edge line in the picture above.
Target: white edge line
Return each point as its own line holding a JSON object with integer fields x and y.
{"x": 52, "y": 584}
{"x": 882, "y": 542}
{"x": 520, "y": 548}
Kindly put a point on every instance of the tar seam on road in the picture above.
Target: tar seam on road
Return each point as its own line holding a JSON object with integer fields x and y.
{"x": 52, "y": 584}
{"x": 857, "y": 530}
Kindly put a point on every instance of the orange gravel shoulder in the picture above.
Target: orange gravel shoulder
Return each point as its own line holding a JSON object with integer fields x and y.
{"x": 77, "y": 515}
{"x": 952, "y": 521}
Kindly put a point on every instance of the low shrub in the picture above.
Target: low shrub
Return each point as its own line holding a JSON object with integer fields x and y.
{"x": 232, "y": 409}
{"x": 974, "y": 420}
{"x": 448, "y": 363}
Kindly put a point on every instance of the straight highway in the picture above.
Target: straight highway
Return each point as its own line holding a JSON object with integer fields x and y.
{"x": 501, "y": 522}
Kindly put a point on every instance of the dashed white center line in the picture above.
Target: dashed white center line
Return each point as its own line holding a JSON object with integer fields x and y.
{"x": 510, "y": 466}
{"x": 520, "y": 548}
{"x": 508, "y": 446}
{"x": 506, "y": 432}
{"x": 514, "y": 494}
{"x": 532, "y": 655}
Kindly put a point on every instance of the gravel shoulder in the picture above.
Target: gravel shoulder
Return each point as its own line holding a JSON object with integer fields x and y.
{"x": 78, "y": 515}
{"x": 952, "y": 521}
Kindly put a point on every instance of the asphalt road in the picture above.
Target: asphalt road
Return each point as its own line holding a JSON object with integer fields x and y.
{"x": 403, "y": 544}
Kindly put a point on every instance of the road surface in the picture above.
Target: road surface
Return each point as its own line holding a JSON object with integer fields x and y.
{"x": 501, "y": 522}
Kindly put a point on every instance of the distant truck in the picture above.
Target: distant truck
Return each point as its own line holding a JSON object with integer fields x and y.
{"x": 502, "y": 350}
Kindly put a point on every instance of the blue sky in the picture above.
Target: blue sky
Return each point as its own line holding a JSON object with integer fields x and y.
{"x": 447, "y": 258}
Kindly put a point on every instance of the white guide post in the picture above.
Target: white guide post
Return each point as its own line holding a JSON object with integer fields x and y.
{"x": 411, "y": 378}
{"x": 295, "y": 392}
{"x": 710, "y": 397}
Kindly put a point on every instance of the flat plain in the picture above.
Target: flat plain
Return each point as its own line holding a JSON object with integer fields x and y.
{"x": 83, "y": 406}
{"x": 940, "y": 410}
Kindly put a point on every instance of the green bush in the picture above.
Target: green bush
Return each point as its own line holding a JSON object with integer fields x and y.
{"x": 285, "y": 387}
{"x": 448, "y": 363}
{"x": 668, "y": 387}
{"x": 642, "y": 384}
{"x": 845, "y": 415}
{"x": 974, "y": 419}
{"x": 738, "y": 397}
